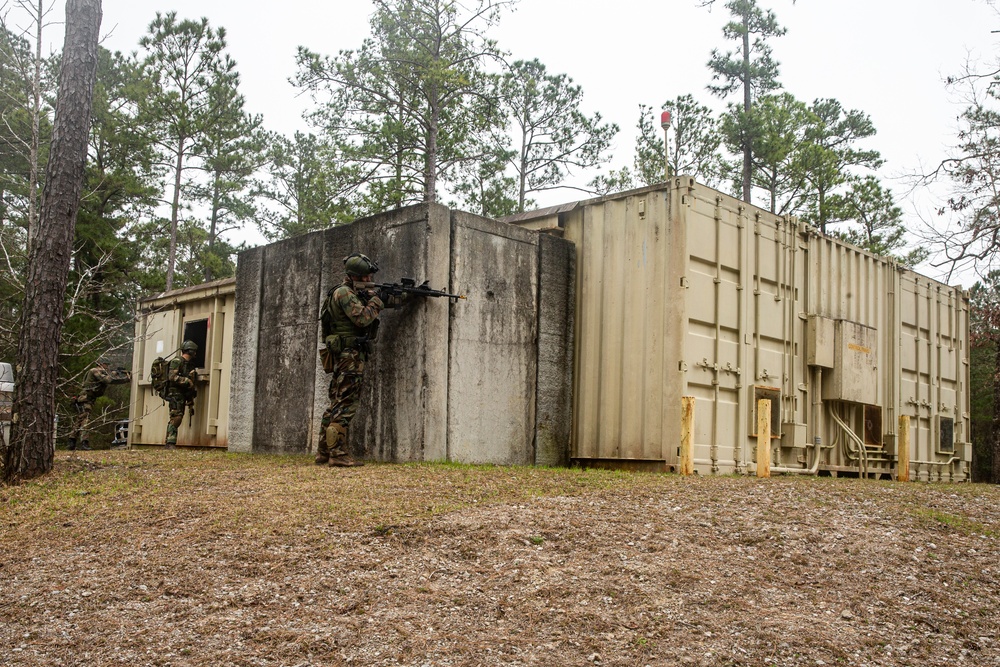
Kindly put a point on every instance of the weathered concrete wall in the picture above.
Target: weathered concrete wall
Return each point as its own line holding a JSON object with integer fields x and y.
{"x": 286, "y": 352}
{"x": 447, "y": 381}
{"x": 246, "y": 330}
{"x": 493, "y": 357}
{"x": 403, "y": 411}
{"x": 556, "y": 310}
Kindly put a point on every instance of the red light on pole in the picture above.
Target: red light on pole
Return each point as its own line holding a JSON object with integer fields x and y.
{"x": 665, "y": 124}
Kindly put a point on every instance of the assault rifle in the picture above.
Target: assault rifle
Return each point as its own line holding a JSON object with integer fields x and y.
{"x": 119, "y": 375}
{"x": 410, "y": 286}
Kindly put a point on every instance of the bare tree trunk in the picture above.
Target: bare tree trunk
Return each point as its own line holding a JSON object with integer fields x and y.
{"x": 213, "y": 227}
{"x": 32, "y": 446}
{"x": 175, "y": 212}
{"x": 747, "y": 100}
{"x": 523, "y": 165}
{"x": 821, "y": 209}
{"x": 36, "y": 112}
{"x": 995, "y": 435}
{"x": 430, "y": 168}
{"x": 36, "y": 116}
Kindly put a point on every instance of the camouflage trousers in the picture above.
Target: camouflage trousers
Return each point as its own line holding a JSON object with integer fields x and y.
{"x": 176, "y": 401}
{"x": 345, "y": 391}
{"x": 82, "y": 420}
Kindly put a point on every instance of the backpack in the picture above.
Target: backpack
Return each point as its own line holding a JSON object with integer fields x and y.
{"x": 326, "y": 313}
{"x": 158, "y": 376}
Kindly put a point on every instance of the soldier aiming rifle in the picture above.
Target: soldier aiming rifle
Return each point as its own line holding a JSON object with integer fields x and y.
{"x": 349, "y": 317}
{"x": 95, "y": 383}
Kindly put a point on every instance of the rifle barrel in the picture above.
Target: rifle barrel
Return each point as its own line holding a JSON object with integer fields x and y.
{"x": 410, "y": 287}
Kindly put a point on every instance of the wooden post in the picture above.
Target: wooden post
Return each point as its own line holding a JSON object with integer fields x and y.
{"x": 687, "y": 435}
{"x": 903, "y": 450}
{"x": 763, "y": 438}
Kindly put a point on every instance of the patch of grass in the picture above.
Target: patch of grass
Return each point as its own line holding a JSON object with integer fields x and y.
{"x": 959, "y": 524}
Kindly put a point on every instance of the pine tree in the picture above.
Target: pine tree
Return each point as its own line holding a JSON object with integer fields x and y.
{"x": 748, "y": 69}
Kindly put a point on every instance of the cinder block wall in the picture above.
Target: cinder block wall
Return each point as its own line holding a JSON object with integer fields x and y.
{"x": 462, "y": 381}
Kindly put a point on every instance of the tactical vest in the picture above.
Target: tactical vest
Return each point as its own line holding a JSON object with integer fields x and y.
{"x": 184, "y": 368}
{"x": 339, "y": 332}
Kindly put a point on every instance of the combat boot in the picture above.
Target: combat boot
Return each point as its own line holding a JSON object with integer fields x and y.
{"x": 344, "y": 461}
{"x": 322, "y": 451}
{"x": 85, "y": 446}
{"x": 336, "y": 441}
{"x": 71, "y": 444}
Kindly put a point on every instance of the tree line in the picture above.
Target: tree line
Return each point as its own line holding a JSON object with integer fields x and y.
{"x": 429, "y": 107}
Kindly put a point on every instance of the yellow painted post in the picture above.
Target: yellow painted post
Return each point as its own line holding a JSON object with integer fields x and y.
{"x": 763, "y": 438}
{"x": 903, "y": 450}
{"x": 687, "y": 435}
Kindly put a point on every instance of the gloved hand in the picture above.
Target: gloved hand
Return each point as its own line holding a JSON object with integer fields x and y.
{"x": 366, "y": 291}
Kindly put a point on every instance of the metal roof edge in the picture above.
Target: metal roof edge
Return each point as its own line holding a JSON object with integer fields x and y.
{"x": 219, "y": 285}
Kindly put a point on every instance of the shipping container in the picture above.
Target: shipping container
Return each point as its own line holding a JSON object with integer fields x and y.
{"x": 683, "y": 291}
{"x": 204, "y": 314}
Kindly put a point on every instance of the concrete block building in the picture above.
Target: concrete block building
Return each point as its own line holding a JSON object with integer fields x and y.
{"x": 481, "y": 380}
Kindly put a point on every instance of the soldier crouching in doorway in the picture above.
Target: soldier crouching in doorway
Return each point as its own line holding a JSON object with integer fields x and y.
{"x": 350, "y": 322}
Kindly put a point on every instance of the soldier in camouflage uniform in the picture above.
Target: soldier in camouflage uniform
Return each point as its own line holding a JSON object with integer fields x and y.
{"x": 181, "y": 391}
{"x": 95, "y": 383}
{"x": 350, "y": 323}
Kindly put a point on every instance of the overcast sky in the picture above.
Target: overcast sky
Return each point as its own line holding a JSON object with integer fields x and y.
{"x": 885, "y": 57}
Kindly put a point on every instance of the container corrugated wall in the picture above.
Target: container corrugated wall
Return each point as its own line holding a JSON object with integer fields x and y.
{"x": 624, "y": 366}
{"x": 203, "y": 313}
{"x": 688, "y": 291}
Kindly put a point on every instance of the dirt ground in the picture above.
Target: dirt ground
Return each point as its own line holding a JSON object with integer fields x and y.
{"x": 194, "y": 558}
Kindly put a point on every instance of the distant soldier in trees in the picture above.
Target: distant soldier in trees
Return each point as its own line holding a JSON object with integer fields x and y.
{"x": 95, "y": 383}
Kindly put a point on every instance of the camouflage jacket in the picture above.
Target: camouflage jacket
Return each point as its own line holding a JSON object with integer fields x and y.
{"x": 351, "y": 314}
{"x": 179, "y": 376}
{"x": 95, "y": 383}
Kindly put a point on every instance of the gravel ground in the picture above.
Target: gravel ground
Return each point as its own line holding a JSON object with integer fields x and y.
{"x": 193, "y": 558}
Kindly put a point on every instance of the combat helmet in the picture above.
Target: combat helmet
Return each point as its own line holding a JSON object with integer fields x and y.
{"x": 357, "y": 265}
{"x": 189, "y": 346}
